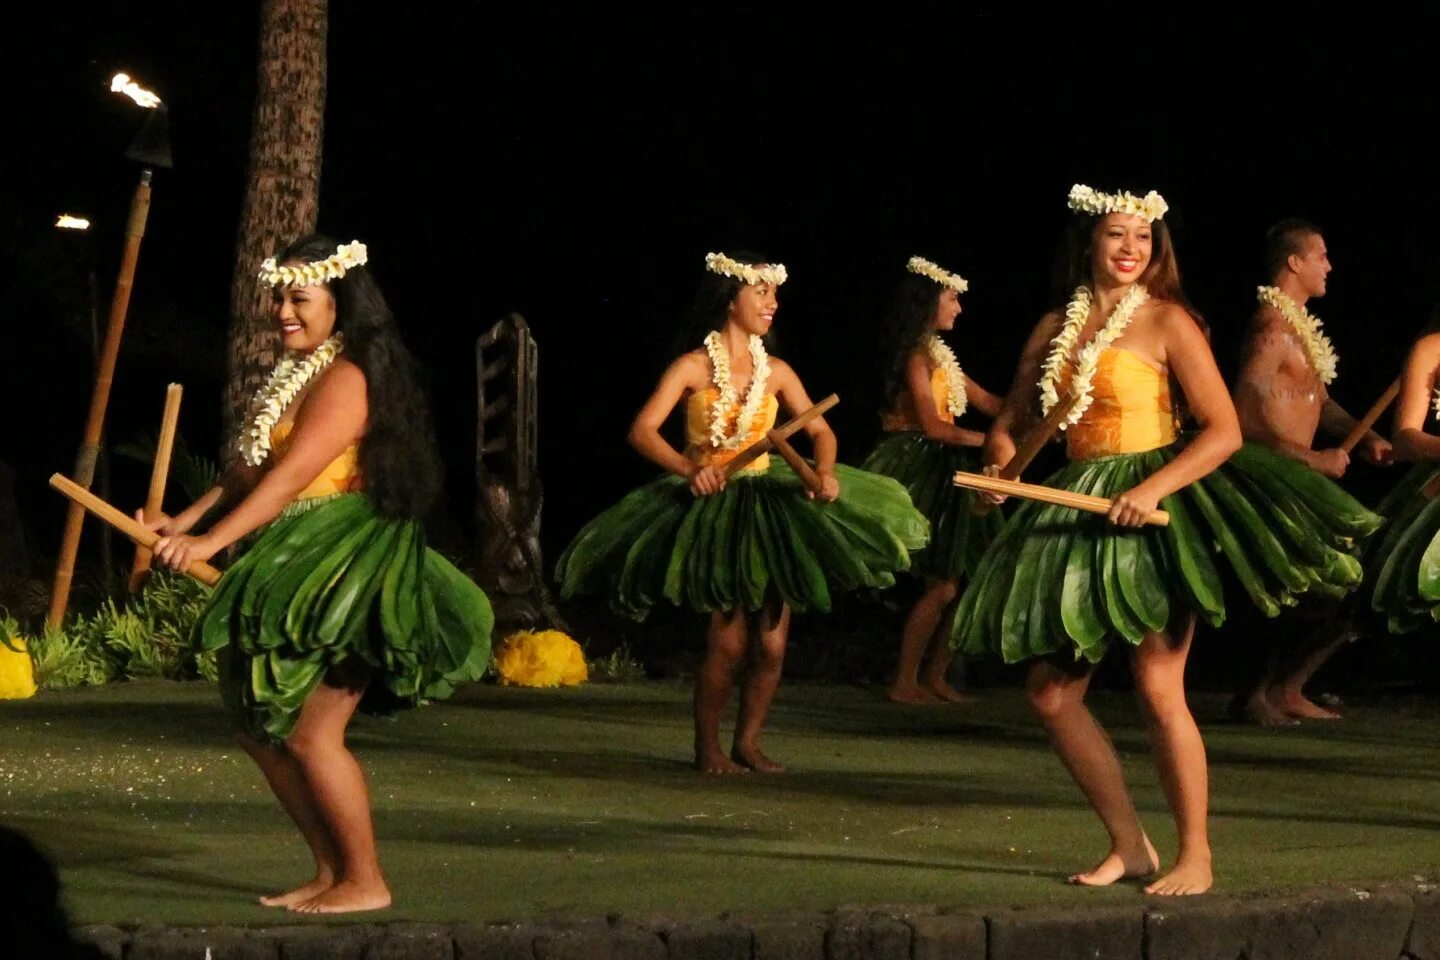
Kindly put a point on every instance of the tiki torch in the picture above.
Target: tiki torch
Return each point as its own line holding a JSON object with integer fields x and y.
{"x": 150, "y": 148}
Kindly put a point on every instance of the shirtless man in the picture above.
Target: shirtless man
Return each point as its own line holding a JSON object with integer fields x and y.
{"x": 1282, "y": 400}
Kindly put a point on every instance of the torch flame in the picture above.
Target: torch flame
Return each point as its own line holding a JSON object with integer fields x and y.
{"x": 121, "y": 83}
{"x": 67, "y": 222}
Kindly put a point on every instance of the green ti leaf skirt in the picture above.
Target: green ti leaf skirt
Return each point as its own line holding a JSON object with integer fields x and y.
{"x": 758, "y": 539}
{"x": 1059, "y": 580}
{"x": 332, "y": 586}
{"x": 925, "y": 467}
{"x": 1404, "y": 563}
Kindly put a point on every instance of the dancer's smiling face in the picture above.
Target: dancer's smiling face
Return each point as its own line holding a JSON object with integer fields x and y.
{"x": 306, "y": 315}
{"x": 753, "y": 309}
{"x": 1120, "y": 248}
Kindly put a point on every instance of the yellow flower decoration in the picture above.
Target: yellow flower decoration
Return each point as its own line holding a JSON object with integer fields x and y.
{"x": 545, "y": 658}
{"x": 17, "y": 673}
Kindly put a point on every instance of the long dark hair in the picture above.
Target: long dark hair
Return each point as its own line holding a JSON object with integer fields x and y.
{"x": 907, "y": 326}
{"x": 398, "y": 456}
{"x": 711, "y": 305}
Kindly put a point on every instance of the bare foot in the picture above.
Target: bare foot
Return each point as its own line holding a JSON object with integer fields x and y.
{"x": 755, "y": 760}
{"x": 300, "y": 894}
{"x": 1260, "y": 710}
{"x": 1191, "y": 876}
{"x": 347, "y": 896}
{"x": 1296, "y": 704}
{"x": 913, "y": 695}
{"x": 946, "y": 692}
{"x": 713, "y": 761}
{"x": 1120, "y": 865}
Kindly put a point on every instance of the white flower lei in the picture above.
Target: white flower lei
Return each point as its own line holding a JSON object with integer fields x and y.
{"x": 1150, "y": 207}
{"x": 938, "y": 273}
{"x": 1436, "y": 403}
{"x": 1063, "y": 347}
{"x": 1318, "y": 348}
{"x": 286, "y": 380}
{"x": 944, "y": 358}
{"x": 346, "y": 257}
{"x": 771, "y": 273}
{"x": 760, "y": 372}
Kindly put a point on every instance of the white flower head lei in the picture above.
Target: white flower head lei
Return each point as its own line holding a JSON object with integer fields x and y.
{"x": 1318, "y": 348}
{"x": 345, "y": 258}
{"x": 771, "y": 273}
{"x": 1150, "y": 207}
{"x": 1063, "y": 347}
{"x": 937, "y": 273}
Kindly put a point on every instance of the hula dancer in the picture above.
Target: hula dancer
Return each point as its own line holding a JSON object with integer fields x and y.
{"x": 927, "y": 390}
{"x": 748, "y": 550}
{"x": 1405, "y": 563}
{"x": 339, "y": 601}
{"x": 1287, "y": 363}
{"x": 1059, "y": 587}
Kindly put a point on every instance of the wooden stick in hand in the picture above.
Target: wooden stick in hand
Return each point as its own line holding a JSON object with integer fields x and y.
{"x": 1372, "y": 415}
{"x": 799, "y": 464}
{"x": 1029, "y": 447}
{"x": 159, "y": 472}
{"x": 138, "y": 534}
{"x": 1035, "y": 491}
{"x": 764, "y": 445}
{"x": 1036, "y": 437}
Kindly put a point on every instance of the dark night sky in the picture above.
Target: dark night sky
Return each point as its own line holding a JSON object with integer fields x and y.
{"x": 576, "y": 168}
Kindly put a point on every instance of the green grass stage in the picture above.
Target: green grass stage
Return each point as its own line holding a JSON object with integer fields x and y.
{"x": 512, "y": 804}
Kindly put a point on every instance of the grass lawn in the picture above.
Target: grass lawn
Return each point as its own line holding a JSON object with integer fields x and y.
{"x": 508, "y": 804}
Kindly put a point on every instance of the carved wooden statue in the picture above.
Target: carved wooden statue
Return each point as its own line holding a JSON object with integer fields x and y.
{"x": 507, "y": 480}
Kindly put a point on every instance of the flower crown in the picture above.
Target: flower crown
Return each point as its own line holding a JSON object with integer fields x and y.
{"x": 935, "y": 272}
{"x": 346, "y": 257}
{"x": 1085, "y": 199}
{"x": 772, "y": 273}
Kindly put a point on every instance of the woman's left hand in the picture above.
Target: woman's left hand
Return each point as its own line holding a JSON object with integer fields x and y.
{"x": 1132, "y": 507}
{"x": 829, "y": 488}
{"x": 181, "y": 550}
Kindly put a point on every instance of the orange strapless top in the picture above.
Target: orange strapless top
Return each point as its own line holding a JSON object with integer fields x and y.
{"x": 697, "y": 430}
{"x": 1131, "y": 411}
{"x": 341, "y": 476}
{"x": 903, "y": 416}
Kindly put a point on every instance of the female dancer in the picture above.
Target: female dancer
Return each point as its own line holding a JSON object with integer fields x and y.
{"x": 1058, "y": 586}
{"x": 748, "y": 548}
{"x": 339, "y": 600}
{"x": 926, "y": 389}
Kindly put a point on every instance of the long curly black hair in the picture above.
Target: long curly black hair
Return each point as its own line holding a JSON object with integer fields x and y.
{"x": 907, "y": 326}
{"x": 399, "y": 458}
